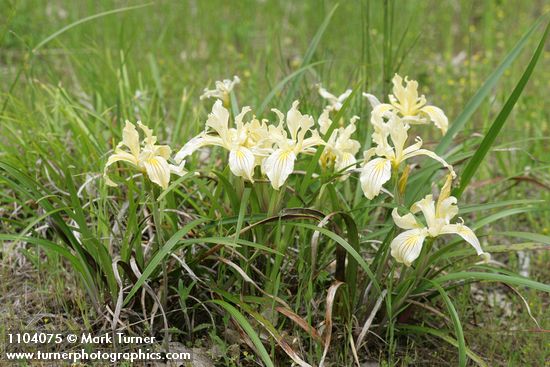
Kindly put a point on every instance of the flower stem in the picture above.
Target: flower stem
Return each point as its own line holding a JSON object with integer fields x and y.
{"x": 158, "y": 240}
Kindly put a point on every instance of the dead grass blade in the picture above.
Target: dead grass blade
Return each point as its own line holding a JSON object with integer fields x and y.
{"x": 301, "y": 323}
{"x": 247, "y": 279}
{"x": 150, "y": 291}
{"x": 526, "y": 304}
{"x": 369, "y": 320}
{"x": 120, "y": 298}
{"x": 331, "y": 295}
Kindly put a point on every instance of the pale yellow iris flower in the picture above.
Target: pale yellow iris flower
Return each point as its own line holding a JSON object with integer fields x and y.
{"x": 242, "y": 141}
{"x": 280, "y": 162}
{"x": 406, "y": 247}
{"x": 340, "y": 148}
{"x": 335, "y": 102}
{"x": 148, "y": 157}
{"x": 376, "y": 172}
{"x": 222, "y": 90}
{"x": 406, "y": 102}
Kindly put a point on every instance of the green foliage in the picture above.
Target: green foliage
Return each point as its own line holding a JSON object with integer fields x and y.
{"x": 217, "y": 254}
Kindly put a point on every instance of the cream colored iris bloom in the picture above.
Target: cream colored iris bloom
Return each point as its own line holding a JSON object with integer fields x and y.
{"x": 241, "y": 141}
{"x": 376, "y": 172}
{"x": 335, "y": 103}
{"x": 280, "y": 163}
{"x": 148, "y": 157}
{"x": 222, "y": 90}
{"x": 406, "y": 247}
{"x": 340, "y": 149}
{"x": 406, "y": 102}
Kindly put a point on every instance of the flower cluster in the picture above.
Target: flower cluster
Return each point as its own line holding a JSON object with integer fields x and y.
{"x": 147, "y": 157}
{"x": 391, "y": 123}
{"x": 275, "y": 146}
{"x": 340, "y": 148}
{"x": 406, "y": 247}
{"x": 253, "y": 143}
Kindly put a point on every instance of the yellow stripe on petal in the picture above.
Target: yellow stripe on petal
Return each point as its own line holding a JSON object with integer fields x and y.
{"x": 466, "y": 233}
{"x": 406, "y": 247}
{"x": 373, "y": 175}
{"x": 158, "y": 171}
{"x": 345, "y": 161}
{"x": 242, "y": 162}
{"x": 278, "y": 166}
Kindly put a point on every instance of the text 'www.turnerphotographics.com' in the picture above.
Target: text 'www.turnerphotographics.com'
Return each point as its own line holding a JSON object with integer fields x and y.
{"x": 87, "y": 347}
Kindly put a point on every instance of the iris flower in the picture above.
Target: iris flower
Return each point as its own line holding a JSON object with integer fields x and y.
{"x": 222, "y": 90}
{"x": 335, "y": 103}
{"x": 280, "y": 163}
{"x": 376, "y": 172}
{"x": 148, "y": 157}
{"x": 406, "y": 247}
{"x": 340, "y": 149}
{"x": 406, "y": 102}
{"x": 241, "y": 140}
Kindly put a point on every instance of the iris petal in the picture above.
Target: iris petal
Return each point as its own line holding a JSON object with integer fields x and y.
{"x": 158, "y": 171}
{"x": 373, "y": 175}
{"x": 278, "y": 166}
{"x": 437, "y": 116}
{"x": 242, "y": 162}
{"x": 466, "y": 233}
{"x": 130, "y": 138}
{"x": 406, "y": 247}
{"x": 408, "y": 221}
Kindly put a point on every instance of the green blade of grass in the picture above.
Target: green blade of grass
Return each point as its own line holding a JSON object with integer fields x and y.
{"x": 349, "y": 248}
{"x": 269, "y": 327}
{"x": 282, "y": 83}
{"x": 84, "y": 20}
{"x": 440, "y": 334}
{"x": 64, "y": 252}
{"x": 503, "y": 214}
{"x": 494, "y": 130}
{"x": 160, "y": 255}
{"x": 249, "y": 330}
{"x": 309, "y": 53}
{"x": 32, "y": 189}
{"x": 470, "y": 108}
{"x": 228, "y": 241}
{"x": 481, "y": 276}
{"x": 242, "y": 211}
{"x": 474, "y": 102}
{"x": 461, "y": 344}
{"x": 229, "y": 190}
{"x": 448, "y": 254}
{"x": 351, "y": 268}
{"x": 528, "y": 236}
{"x": 479, "y": 207}
{"x": 90, "y": 242}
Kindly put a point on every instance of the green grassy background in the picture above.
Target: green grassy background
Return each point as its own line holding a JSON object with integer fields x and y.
{"x": 63, "y": 105}
{"x": 170, "y": 49}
